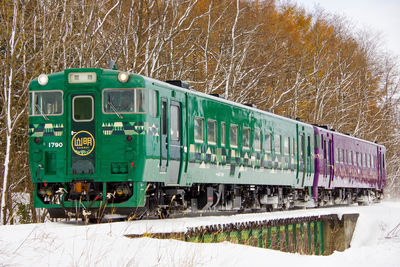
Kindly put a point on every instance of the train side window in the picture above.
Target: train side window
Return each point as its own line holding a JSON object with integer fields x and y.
{"x": 139, "y": 107}
{"x": 212, "y": 132}
{"x": 328, "y": 152}
{"x": 286, "y": 145}
{"x": 277, "y": 141}
{"x": 337, "y": 155}
{"x": 294, "y": 150}
{"x": 153, "y": 103}
{"x": 267, "y": 143}
{"x": 343, "y": 156}
{"x": 233, "y": 136}
{"x": 257, "y": 140}
{"x": 198, "y": 130}
{"x": 316, "y": 140}
{"x": 246, "y": 138}
{"x": 223, "y": 134}
{"x": 322, "y": 141}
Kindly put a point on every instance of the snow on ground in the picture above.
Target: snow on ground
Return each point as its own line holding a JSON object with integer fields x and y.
{"x": 71, "y": 244}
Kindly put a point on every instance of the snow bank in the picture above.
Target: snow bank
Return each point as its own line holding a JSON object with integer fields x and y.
{"x": 69, "y": 244}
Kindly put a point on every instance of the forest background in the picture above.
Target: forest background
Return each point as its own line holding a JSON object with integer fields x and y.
{"x": 312, "y": 66}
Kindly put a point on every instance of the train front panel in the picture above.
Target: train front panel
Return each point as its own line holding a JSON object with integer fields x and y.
{"x": 86, "y": 145}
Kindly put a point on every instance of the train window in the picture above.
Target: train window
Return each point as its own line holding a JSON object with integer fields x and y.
{"x": 277, "y": 141}
{"x": 139, "y": 107}
{"x": 343, "y": 156}
{"x": 125, "y": 101}
{"x": 45, "y": 103}
{"x": 246, "y": 138}
{"x": 328, "y": 152}
{"x": 322, "y": 141}
{"x": 153, "y": 103}
{"x": 211, "y": 132}
{"x": 199, "y": 130}
{"x": 366, "y": 160}
{"x": 294, "y": 150}
{"x": 233, "y": 135}
{"x": 316, "y": 140}
{"x": 257, "y": 140}
{"x": 351, "y": 158}
{"x": 286, "y": 145}
{"x": 175, "y": 119}
{"x": 82, "y": 108}
{"x": 267, "y": 143}
{"x": 337, "y": 155}
{"x": 222, "y": 133}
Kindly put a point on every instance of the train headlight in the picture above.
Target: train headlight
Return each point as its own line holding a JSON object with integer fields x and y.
{"x": 123, "y": 77}
{"x": 43, "y": 79}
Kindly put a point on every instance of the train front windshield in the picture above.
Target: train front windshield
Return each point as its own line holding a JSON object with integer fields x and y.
{"x": 123, "y": 101}
{"x": 45, "y": 103}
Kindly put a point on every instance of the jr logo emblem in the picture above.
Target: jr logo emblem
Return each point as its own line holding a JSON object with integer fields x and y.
{"x": 82, "y": 143}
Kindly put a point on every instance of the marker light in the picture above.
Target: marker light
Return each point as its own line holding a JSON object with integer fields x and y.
{"x": 123, "y": 77}
{"x": 43, "y": 79}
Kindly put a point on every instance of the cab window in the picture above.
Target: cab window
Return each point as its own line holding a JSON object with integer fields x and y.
{"x": 123, "y": 101}
{"x": 45, "y": 103}
{"x": 82, "y": 108}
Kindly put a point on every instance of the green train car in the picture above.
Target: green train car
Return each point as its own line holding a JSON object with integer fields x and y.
{"x": 107, "y": 142}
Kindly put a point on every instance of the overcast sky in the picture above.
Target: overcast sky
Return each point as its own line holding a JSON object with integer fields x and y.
{"x": 379, "y": 15}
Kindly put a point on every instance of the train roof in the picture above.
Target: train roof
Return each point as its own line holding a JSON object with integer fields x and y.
{"x": 194, "y": 92}
{"x": 222, "y": 100}
{"x": 347, "y": 136}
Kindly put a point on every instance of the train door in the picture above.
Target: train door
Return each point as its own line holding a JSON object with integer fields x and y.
{"x": 164, "y": 135}
{"x": 331, "y": 160}
{"x": 301, "y": 163}
{"x": 83, "y": 133}
{"x": 381, "y": 166}
{"x": 326, "y": 142}
{"x": 308, "y": 159}
{"x": 171, "y": 143}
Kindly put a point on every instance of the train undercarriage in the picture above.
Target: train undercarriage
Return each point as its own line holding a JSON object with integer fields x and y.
{"x": 208, "y": 198}
{"x": 197, "y": 200}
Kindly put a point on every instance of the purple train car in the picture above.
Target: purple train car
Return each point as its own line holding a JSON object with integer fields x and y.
{"x": 353, "y": 170}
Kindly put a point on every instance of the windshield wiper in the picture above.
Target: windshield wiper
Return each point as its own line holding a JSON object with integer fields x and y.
{"x": 113, "y": 107}
{"x": 41, "y": 112}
